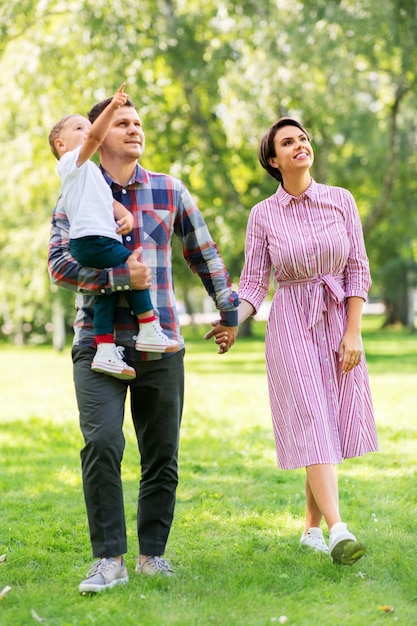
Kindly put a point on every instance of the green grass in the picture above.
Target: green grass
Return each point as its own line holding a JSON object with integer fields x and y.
{"x": 234, "y": 543}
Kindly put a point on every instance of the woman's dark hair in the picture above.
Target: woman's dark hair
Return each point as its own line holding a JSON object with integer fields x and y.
{"x": 266, "y": 150}
{"x": 100, "y": 106}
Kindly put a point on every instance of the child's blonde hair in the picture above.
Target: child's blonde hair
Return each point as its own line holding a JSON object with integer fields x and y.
{"x": 55, "y": 133}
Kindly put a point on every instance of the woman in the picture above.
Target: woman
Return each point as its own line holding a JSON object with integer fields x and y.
{"x": 310, "y": 235}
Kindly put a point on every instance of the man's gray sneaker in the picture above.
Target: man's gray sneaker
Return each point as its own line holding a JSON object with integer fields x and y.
{"x": 154, "y": 565}
{"x": 104, "y": 574}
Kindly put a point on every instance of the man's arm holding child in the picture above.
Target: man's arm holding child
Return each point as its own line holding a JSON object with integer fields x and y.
{"x": 67, "y": 273}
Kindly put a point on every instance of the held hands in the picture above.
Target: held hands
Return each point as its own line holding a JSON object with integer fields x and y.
{"x": 120, "y": 97}
{"x": 224, "y": 336}
{"x": 350, "y": 351}
{"x": 140, "y": 274}
{"x": 125, "y": 224}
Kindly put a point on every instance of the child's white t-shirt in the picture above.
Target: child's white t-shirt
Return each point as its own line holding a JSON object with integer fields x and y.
{"x": 88, "y": 200}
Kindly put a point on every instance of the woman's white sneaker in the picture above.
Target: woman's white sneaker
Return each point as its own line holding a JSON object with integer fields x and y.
{"x": 314, "y": 539}
{"x": 344, "y": 547}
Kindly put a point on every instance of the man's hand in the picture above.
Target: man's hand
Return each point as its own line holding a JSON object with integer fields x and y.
{"x": 224, "y": 336}
{"x": 140, "y": 274}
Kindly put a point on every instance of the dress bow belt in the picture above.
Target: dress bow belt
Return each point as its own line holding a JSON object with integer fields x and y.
{"x": 326, "y": 294}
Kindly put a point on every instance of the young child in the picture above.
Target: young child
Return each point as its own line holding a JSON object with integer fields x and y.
{"x": 97, "y": 222}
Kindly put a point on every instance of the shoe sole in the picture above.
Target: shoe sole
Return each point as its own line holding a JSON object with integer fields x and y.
{"x": 153, "y": 572}
{"x": 86, "y": 588}
{"x": 119, "y": 375}
{"x": 156, "y": 573}
{"x": 347, "y": 552}
{"x": 161, "y": 349}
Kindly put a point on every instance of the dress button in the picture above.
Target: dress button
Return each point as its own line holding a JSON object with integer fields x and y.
{"x": 128, "y": 238}
{"x": 124, "y": 191}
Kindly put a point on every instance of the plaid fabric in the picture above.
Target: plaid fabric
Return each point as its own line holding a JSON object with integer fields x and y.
{"x": 161, "y": 206}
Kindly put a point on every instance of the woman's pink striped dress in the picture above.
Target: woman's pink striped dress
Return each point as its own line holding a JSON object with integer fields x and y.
{"x": 315, "y": 246}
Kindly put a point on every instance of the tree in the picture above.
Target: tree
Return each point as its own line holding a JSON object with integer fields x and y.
{"x": 209, "y": 78}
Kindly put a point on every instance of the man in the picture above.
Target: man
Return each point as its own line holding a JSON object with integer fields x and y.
{"x": 161, "y": 206}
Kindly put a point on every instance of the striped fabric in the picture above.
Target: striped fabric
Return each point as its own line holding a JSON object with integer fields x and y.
{"x": 314, "y": 246}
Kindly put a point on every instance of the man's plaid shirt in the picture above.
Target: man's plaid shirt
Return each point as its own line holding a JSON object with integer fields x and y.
{"x": 161, "y": 206}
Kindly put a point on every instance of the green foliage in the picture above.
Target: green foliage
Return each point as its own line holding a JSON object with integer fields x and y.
{"x": 209, "y": 78}
{"x": 234, "y": 543}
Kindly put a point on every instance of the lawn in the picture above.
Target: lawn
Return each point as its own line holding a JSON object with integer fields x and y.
{"x": 235, "y": 540}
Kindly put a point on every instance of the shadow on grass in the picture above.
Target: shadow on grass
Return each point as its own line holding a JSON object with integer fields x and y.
{"x": 40, "y": 467}
{"x": 40, "y": 486}
{"x": 235, "y": 539}
{"x": 237, "y": 527}
{"x": 391, "y": 363}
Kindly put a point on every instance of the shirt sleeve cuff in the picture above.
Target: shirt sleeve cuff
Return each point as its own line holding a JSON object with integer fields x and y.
{"x": 360, "y": 293}
{"x": 229, "y": 318}
{"x": 120, "y": 278}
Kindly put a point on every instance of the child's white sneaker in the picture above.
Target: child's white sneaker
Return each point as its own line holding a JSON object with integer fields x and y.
{"x": 151, "y": 338}
{"x": 109, "y": 360}
{"x": 314, "y": 539}
{"x": 343, "y": 546}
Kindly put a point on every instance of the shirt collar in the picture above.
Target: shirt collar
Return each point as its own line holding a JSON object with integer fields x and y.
{"x": 285, "y": 198}
{"x": 139, "y": 176}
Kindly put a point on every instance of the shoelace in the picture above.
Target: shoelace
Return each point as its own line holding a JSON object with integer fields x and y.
{"x": 159, "y": 563}
{"x": 160, "y": 334}
{"x": 317, "y": 541}
{"x": 99, "y": 566}
{"x": 119, "y": 353}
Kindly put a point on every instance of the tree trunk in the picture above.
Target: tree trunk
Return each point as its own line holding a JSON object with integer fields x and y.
{"x": 411, "y": 281}
{"x": 58, "y": 322}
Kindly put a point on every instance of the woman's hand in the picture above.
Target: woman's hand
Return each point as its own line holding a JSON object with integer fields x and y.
{"x": 350, "y": 351}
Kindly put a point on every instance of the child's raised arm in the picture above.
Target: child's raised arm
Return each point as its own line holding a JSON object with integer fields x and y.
{"x": 101, "y": 126}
